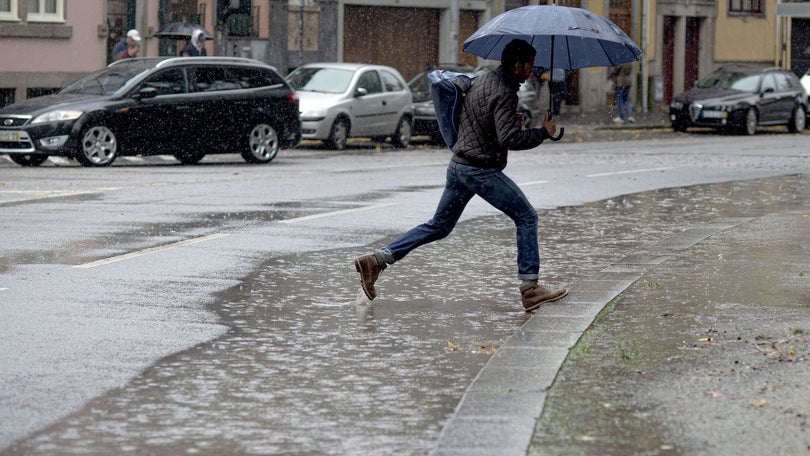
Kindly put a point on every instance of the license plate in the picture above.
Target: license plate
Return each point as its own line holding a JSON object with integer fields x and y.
{"x": 9, "y": 136}
{"x": 714, "y": 114}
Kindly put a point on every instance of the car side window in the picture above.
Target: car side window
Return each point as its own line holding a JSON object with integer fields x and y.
{"x": 782, "y": 82}
{"x": 168, "y": 82}
{"x": 391, "y": 82}
{"x": 251, "y": 78}
{"x": 212, "y": 79}
{"x": 370, "y": 81}
{"x": 768, "y": 84}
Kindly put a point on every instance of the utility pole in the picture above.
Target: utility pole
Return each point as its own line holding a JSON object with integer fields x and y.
{"x": 453, "y": 57}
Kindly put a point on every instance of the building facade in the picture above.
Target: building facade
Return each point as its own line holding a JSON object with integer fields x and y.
{"x": 47, "y": 43}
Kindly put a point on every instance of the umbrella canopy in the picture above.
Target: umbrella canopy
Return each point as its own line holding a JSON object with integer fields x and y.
{"x": 181, "y": 31}
{"x": 580, "y": 38}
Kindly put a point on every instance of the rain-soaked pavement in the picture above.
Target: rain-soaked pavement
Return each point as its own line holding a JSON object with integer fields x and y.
{"x": 307, "y": 369}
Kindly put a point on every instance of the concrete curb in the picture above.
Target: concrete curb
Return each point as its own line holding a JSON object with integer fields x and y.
{"x": 497, "y": 413}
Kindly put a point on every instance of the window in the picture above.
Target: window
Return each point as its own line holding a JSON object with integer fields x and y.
{"x": 768, "y": 84}
{"x": 392, "y": 84}
{"x": 169, "y": 82}
{"x": 8, "y": 10}
{"x": 46, "y": 10}
{"x": 250, "y": 78}
{"x": 370, "y": 81}
{"x": 745, "y": 6}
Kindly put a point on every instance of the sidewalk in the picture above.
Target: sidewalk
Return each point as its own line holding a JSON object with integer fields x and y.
{"x": 694, "y": 345}
{"x": 604, "y": 120}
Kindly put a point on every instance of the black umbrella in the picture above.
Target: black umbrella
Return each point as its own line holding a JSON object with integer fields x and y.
{"x": 182, "y": 31}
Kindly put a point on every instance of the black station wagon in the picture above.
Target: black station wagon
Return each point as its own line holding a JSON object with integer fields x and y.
{"x": 740, "y": 98}
{"x": 187, "y": 107}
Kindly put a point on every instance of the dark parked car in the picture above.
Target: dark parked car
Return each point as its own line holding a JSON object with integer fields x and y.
{"x": 188, "y": 107}
{"x": 739, "y": 98}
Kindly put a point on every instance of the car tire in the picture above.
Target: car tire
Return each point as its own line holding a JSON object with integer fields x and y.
{"x": 97, "y": 147}
{"x": 263, "y": 144}
{"x": 28, "y": 159}
{"x": 798, "y": 120}
{"x": 680, "y": 127}
{"x": 189, "y": 158}
{"x": 339, "y": 135}
{"x": 402, "y": 137}
{"x": 749, "y": 126}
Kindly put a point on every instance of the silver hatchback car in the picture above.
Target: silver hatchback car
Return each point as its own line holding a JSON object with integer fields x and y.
{"x": 342, "y": 100}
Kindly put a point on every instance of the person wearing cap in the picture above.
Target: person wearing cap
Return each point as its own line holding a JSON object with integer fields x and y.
{"x": 121, "y": 46}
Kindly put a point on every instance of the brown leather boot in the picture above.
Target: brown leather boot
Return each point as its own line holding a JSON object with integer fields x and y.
{"x": 369, "y": 270}
{"x": 538, "y": 295}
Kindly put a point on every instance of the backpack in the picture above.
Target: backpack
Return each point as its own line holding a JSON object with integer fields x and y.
{"x": 448, "y": 89}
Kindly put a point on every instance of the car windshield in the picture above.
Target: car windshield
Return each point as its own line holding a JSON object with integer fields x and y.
{"x": 328, "y": 80}
{"x": 107, "y": 80}
{"x": 730, "y": 80}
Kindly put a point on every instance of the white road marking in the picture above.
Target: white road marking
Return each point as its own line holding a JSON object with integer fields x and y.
{"x": 36, "y": 195}
{"x": 525, "y": 184}
{"x": 143, "y": 252}
{"x": 333, "y": 213}
{"x": 630, "y": 171}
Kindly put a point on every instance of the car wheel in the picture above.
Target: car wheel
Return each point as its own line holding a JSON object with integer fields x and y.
{"x": 680, "y": 127}
{"x": 402, "y": 137}
{"x": 798, "y": 120}
{"x": 263, "y": 144}
{"x": 189, "y": 158}
{"x": 749, "y": 126}
{"x": 339, "y": 135}
{"x": 98, "y": 147}
{"x": 28, "y": 159}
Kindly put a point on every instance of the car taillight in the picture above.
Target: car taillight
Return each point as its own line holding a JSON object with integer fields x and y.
{"x": 293, "y": 96}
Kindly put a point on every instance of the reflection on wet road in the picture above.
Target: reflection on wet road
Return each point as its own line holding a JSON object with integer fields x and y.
{"x": 303, "y": 370}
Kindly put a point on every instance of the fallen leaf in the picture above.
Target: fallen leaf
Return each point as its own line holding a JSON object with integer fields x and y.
{"x": 761, "y": 403}
{"x": 712, "y": 393}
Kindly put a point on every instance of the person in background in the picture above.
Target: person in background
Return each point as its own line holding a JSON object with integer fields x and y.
{"x": 131, "y": 51}
{"x": 121, "y": 46}
{"x": 195, "y": 47}
{"x": 488, "y": 130}
{"x": 622, "y": 79}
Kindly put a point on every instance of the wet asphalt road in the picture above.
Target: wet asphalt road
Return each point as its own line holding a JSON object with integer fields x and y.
{"x": 255, "y": 344}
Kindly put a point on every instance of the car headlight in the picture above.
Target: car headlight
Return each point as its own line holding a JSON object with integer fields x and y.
{"x": 56, "y": 116}
{"x": 313, "y": 114}
{"x": 676, "y": 105}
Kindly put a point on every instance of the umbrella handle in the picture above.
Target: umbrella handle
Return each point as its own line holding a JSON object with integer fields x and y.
{"x": 562, "y": 129}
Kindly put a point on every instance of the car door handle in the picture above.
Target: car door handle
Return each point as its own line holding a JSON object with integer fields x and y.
{"x": 183, "y": 108}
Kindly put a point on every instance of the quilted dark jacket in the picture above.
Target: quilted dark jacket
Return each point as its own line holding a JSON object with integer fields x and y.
{"x": 489, "y": 126}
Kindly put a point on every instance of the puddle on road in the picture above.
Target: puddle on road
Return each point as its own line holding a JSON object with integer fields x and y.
{"x": 304, "y": 369}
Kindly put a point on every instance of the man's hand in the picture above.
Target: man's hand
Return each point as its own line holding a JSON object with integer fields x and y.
{"x": 549, "y": 124}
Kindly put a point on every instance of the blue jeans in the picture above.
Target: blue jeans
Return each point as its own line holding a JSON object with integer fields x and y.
{"x": 623, "y": 100}
{"x": 464, "y": 182}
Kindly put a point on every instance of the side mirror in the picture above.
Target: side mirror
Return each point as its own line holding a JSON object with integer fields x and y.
{"x": 361, "y": 92}
{"x": 146, "y": 92}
